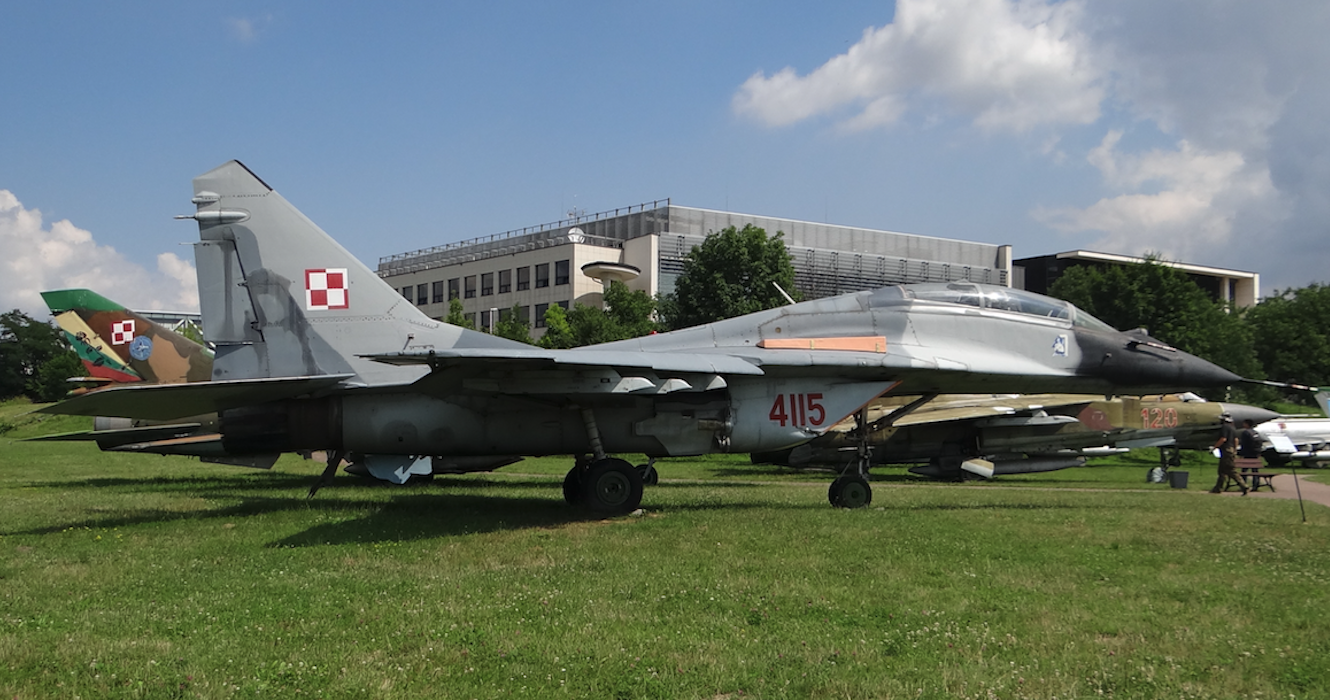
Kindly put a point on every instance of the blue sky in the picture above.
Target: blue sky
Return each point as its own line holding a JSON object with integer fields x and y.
{"x": 1194, "y": 129}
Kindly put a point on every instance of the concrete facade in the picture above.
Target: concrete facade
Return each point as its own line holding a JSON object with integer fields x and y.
{"x": 645, "y": 245}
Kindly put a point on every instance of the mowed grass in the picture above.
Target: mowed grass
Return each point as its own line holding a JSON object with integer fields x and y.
{"x": 128, "y": 576}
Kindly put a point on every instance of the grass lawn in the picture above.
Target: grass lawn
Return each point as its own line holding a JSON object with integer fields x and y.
{"x": 131, "y": 576}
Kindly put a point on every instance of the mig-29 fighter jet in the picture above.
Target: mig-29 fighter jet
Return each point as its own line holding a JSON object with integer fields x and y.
{"x": 314, "y": 351}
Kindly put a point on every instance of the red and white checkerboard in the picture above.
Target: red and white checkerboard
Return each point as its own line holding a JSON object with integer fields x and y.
{"x": 326, "y": 289}
{"x": 122, "y": 332}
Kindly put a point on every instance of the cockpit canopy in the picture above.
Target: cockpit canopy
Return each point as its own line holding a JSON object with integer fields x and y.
{"x": 985, "y": 296}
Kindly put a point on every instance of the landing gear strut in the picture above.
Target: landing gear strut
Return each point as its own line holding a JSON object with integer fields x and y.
{"x": 601, "y": 483}
{"x": 851, "y": 489}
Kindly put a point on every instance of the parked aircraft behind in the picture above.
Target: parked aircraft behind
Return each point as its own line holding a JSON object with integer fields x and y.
{"x": 118, "y": 345}
{"x": 315, "y": 351}
{"x": 1305, "y": 439}
{"x": 990, "y": 435}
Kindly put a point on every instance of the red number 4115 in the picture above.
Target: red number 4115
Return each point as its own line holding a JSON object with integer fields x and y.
{"x": 798, "y": 409}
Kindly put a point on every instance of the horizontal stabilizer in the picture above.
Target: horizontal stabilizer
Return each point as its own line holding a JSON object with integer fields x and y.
{"x": 168, "y": 401}
{"x": 207, "y": 447}
{"x": 107, "y": 439}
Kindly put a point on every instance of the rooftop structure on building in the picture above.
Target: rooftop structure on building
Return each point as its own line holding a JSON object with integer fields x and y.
{"x": 175, "y": 320}
{"x": 1038, "y": 273}
{"x": 569, "y": 261}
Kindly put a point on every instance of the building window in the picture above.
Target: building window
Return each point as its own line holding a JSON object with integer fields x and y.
{"x": 505, "y": 281}
{"x": 487, "y": 284}
{"x": 561, "y": 272}
{"x": 485, "y": 321}
{"x": 471, "y": 287}
{"x": 454, "y": 288}
{"x": 523, "y": 279}
{"x": 542, "y": 275}
{"x": 524, "y": 314}
{"x": 540, "y": 314}
{"x": 562, "y": 304}
{"x": 470, "y": 319}
{"x": 408, "y": 292}
{"x": 436, "y": 292}
{"x": 422, "y": 294}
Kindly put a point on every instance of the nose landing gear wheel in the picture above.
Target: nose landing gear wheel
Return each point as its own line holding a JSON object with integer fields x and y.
{"x": 850, "y": 491}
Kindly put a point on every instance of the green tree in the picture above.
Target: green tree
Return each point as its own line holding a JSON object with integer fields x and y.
{"x": 25, "y": 346}
{"x": 51, "y": 382}
{"x": 1167, "y": 303}
{"x": 558, "y": 332}
{"x": 455, "y": 316}
{"x": 730, "y": 274}
{"x": 627, "y": 315}
{"x": 1292, "y": 330}
{"x": 513, "y": 326}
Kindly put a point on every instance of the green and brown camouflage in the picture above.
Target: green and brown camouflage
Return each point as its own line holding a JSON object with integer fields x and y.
{"x": 117, "y": 345}
{"x": 951, "y": 436}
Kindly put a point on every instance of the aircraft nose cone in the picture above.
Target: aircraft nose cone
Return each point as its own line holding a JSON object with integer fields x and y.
{"x": 1148, "y": 366}
{"x": 1242, "y": 412}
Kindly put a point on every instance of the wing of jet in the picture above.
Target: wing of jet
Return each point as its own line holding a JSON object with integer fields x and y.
{"x": 284, "y": 303}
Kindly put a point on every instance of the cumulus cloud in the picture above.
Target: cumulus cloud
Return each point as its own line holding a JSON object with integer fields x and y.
{"x": 1182, "y": 203}
{"x": 1238, "y": 89}
{"x": 60, "y": 256}
{"x": 1006, "y": 66}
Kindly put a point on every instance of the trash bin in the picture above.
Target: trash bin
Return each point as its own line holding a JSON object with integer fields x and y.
{"x": 1177, "y": 480}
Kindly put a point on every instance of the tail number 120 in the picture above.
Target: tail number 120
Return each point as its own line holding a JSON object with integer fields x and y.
{"x": 798, "y": 409}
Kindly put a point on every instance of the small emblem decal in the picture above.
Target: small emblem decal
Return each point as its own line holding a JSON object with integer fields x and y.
{"x": 122, "y": 332}
{"x": 326, "y": 289}
{"x": 1060, "y": 346}
{"x": 140, "y": 348}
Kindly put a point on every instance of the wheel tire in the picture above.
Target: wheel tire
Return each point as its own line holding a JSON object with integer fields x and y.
{"x": 850, "y": 492}
{"x": 833, "y": 491}
{"x": 650, "y": 476}
{"x": 572, "y": 486}
{"x": 612, "y": 487}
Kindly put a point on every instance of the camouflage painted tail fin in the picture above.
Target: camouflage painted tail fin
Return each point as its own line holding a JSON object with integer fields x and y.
{"x": 281, "y": 298}
{"x": 118, "y": 345}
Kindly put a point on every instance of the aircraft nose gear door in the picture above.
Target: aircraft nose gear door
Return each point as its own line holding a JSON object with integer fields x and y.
{"x": 851, "y": 489}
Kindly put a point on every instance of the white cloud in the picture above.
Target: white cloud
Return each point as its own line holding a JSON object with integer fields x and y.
{"x": 1007, "y": 66}
{"x": 247, "y": 30}
{"x": 1182, "y": 203}
{"x": 39, "y": 258}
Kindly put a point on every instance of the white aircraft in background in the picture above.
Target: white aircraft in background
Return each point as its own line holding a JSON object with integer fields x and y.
{"x": 1298, "y": 438}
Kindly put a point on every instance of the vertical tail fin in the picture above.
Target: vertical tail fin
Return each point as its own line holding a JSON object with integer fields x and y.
{"x": 281, "y": 298}
{"x": 119, "y": 345}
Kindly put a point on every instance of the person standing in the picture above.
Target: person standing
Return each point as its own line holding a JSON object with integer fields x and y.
{"x": 1227, "y": 444}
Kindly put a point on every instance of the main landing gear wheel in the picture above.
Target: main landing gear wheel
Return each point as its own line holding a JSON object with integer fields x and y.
{"x": 650, "y": 476}
{"x": 612, "y": 487}
{"x": 572, "y": 486}
{"x": 850, "y": 491}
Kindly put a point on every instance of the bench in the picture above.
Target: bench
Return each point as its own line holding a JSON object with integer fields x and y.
{"x": 1250, "y": 469}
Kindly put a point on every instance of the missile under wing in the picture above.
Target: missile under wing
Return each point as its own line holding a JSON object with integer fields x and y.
{"x": 314, "y": 351}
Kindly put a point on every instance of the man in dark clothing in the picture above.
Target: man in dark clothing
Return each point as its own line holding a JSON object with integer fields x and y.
{"x": 1227, "y": 444}
{"x": 1249, "y": 441}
